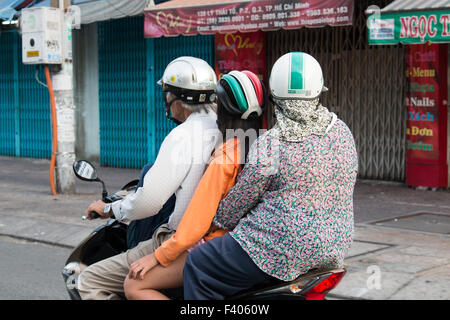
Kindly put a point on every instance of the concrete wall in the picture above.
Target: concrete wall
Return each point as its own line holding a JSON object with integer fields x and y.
{"x": 85, "y": 64}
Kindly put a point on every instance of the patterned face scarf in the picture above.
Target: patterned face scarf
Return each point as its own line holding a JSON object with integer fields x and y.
{"x": 299, "y": 119}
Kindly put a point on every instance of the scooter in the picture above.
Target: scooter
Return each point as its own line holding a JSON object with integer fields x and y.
{"x": 110, "y": 239}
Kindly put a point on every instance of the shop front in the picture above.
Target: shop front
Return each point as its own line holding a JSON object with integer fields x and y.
{"x": 253, "y": 34}
{"x": 423, "y": 27}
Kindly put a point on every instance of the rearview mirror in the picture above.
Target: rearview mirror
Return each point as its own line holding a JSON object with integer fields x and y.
{"x": 84, "y": 170}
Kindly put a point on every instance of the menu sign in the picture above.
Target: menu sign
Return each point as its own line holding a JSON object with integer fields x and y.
{"x": 423, "y": 102}
{"x": 246, "y": 16}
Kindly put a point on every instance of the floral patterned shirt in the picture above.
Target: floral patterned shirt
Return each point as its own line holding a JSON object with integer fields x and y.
{"x": 291, "y": 209}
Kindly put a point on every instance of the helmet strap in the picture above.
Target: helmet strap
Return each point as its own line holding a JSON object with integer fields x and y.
{"x": 169, "y": 114}
{"x": 276, "y": 104}
{"x": 272, "y": 100}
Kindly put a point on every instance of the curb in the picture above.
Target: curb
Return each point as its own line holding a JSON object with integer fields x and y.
{"x": 43, "y": 231}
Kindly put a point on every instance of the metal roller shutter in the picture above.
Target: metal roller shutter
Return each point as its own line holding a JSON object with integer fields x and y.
{"x": 25, "y": 127}
{"x": 7, "y": 103}
{"x": 122, "y": 93}
{"x": 132, "y": 116}
{"x": 366, "y": 88}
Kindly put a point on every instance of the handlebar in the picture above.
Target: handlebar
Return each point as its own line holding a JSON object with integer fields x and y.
{"x": 107, "y": 199}
{"x": 91, "y": 215}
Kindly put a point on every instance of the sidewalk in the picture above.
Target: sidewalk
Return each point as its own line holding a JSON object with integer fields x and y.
{"x": 401, "y": 248}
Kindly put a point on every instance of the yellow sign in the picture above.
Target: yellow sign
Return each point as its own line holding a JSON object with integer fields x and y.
{"x": 32, "y": 54}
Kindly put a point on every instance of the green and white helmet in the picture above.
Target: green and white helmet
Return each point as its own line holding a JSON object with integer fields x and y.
{"x": 296, "y": 75}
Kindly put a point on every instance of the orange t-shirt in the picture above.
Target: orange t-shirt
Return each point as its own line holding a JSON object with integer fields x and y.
{"x": 218, "y": 178}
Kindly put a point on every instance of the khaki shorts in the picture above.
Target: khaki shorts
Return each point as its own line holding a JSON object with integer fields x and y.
{"x": 104, "y": 279}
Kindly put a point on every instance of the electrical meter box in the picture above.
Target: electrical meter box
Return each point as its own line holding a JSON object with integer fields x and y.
{"x": 41, "y": 36}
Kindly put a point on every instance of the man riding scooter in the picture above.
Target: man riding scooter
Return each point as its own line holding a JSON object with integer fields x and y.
{"x": 188, "y": 85}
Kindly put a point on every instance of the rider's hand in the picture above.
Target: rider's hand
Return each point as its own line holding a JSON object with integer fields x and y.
{"x": 139, "y": 268}
{"x": 99, "y": 207}
{"x": 212, "y": 228}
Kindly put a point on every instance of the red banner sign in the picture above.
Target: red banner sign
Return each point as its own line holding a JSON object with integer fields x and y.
{"x": 246, "y": 16}
{"x": 241, "y": 51}
{"x": 426, "y": 104}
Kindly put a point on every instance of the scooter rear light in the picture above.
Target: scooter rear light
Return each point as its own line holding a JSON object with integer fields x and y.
{"x": 321, "y": 289}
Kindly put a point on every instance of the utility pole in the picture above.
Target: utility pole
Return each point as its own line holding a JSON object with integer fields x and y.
{"x": 62, "y": 80}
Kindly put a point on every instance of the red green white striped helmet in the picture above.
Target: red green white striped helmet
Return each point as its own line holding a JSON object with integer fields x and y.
{"x": 296, "y": 75}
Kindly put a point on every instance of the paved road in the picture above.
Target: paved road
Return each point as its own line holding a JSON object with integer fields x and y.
{"x": 31, "y": 271}
{"x": 404, "y": 258}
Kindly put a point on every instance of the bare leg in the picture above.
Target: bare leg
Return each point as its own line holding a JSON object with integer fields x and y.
{"x": 157, "y": 278}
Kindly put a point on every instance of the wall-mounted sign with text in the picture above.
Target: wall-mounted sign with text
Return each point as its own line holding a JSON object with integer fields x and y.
{"x": 409, "y": 27}
{"x": 426, "y": 107}
{"x": 241, "y": 51}
{"x": 422, "y": 102}
{"x": 206, "y": 17}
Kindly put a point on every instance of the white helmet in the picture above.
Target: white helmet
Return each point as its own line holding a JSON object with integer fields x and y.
{"x": 191, "y": 79}
{"x": 296, "y": 75}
